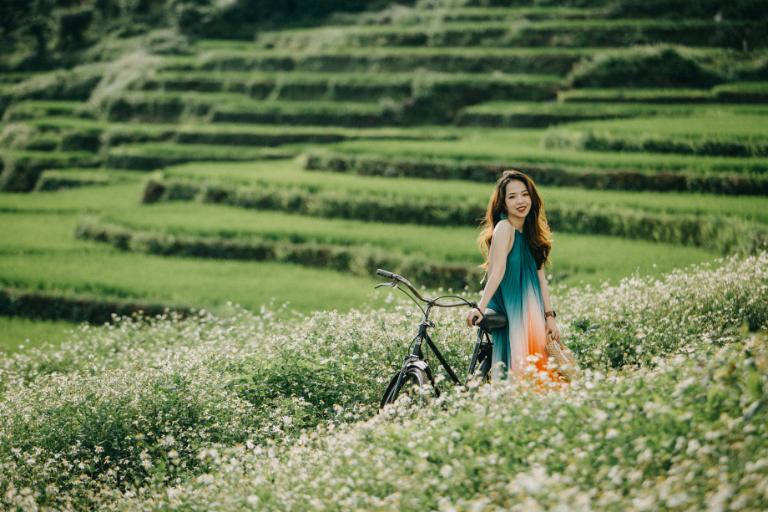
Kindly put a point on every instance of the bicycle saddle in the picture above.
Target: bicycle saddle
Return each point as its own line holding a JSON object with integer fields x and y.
{"x": 493, "y": 320}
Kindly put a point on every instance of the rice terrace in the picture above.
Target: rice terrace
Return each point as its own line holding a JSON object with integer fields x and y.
{"x": 196, "y": 196}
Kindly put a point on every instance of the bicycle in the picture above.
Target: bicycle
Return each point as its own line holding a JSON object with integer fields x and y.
{"x": 415, "y": 372}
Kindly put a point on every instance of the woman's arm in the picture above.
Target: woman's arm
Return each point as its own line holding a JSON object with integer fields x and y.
{"x": 497, "y": 261}
{"x": 544, "y": 290}
{"x": 551, "y": 323}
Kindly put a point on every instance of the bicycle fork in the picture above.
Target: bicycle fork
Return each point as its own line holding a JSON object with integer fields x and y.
{"x": 415, "y": 360}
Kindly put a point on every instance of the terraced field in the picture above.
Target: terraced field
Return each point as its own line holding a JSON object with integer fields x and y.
{"x": 289, "y": 167}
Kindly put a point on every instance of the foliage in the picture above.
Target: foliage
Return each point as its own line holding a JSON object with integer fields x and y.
{"x": 652, "y": 66}
{"x": 542, "y": 169}
{"x": 714, "y": 233}
{"x": 737, "y": 9}
{"x": 85, "y": 422}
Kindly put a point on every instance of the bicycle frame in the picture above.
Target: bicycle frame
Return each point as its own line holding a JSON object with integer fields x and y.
{"x": 415, "y": 357}
{"x": 416, "y": 351}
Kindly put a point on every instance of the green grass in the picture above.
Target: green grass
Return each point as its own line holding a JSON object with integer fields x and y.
{"x": 198, "y": 283}
{"x": 587, "y": 259}
{"x": 216, "y": 100}
{"x": 161, "y": 131}
{"x": 70, "y": 178}
{"x": 288, "y": 173}
{"x": 520, "y": 147}
{"x": 244, "y": 81}
{"x": 756, "y": 92}
{"x": 169, "y": 150}
{"x": 547, "y": 60}
{"x": 46, "y": 108}
{"x": 578, "y": 33}
{"x": 328, "y": 108}
{"x": 86, "y": 200}
{"x": 742, "y": 124}
{"x": 554, "y": 61}
{"x": 248, "y": 49}
{"x": 154, "y": 155}
{"x": 409, "y": 16}
{"x": 16, "y": 333}
{"x": 40, "y": 252}
{"x": 724, "y": 135}
{"x": 11, "y": 78}
{"x": 636, "y": 95}
{"x": 598, "y": 109}
{"x": 53, "y": 159}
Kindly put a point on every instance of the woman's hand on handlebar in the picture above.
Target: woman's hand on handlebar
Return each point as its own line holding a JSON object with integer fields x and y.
{"x": 473, "y": 317}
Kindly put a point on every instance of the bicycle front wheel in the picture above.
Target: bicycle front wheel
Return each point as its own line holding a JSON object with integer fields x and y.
{"x": 415, "y": 383}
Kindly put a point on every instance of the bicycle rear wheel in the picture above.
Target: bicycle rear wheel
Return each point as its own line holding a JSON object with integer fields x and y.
{"x": 415, "y": 383}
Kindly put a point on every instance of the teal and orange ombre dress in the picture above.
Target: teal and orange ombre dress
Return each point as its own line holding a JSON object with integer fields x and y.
{"x": 522, "y": 342}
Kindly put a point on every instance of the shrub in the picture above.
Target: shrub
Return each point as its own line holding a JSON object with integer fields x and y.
{"x": 736, "y": 145}
{"x": 487, "y": 171}
{"x": 715, "y": 233}
{"x": 57, "y": 180}
{"x": 735, "y": 10}
{"x": 63, "y": 84}
{"x": 119, "y": 76}
{"x": 75, "y": 308}
{"x": 21, "y": 169}
{"x": 355, "y": 260}
{"x": 652, "y": 66}
{"x": 746, "y": 92}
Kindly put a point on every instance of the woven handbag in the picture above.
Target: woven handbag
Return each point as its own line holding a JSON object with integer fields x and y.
{"x": 563, "y": 356}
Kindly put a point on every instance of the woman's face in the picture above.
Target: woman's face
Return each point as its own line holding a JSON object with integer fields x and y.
{"x": 517, "y": 200}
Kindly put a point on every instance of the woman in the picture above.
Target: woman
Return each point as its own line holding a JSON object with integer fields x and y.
{"x": 515, "y": 242}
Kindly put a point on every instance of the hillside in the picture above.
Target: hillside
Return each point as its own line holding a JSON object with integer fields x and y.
{"x": 356, "y": 140}
{"x": 195, "y": 195}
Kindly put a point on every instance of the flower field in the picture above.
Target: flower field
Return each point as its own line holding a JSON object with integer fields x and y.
{"x": 254, "y": 412}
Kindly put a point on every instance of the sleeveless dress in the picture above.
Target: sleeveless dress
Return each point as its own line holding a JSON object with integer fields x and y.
{"x": 522, "y": 342}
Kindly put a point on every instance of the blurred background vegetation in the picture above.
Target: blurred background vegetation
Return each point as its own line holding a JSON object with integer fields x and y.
{"x": 189, "y": 153}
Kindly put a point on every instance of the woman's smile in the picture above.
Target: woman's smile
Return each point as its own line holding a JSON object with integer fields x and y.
{"x": 517, "y": 199}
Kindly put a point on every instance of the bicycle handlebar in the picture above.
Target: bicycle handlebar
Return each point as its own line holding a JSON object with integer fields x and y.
{"x": 398, "y": 278}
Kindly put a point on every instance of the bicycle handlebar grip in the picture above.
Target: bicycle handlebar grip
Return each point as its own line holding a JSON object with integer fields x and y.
{"x": 385, "y": 273}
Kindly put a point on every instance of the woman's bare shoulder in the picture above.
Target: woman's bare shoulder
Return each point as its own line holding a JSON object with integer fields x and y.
{"x": 503, "y": 232}
{"x": 503, "y": 228}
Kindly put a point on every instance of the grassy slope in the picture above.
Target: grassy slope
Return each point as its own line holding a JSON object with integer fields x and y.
{"x": 40, "y": 251}
{"x": 521, "y": 147}
{"x": 16, "y": 333}
{"x": 575, "y": 254}
{"x": 287, "y": 173}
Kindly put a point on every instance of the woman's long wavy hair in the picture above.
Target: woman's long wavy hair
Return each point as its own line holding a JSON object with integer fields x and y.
{"x": 535, "y": 227}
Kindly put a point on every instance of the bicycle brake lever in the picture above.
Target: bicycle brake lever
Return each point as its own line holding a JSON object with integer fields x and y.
{"x": 391, "y": 284}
